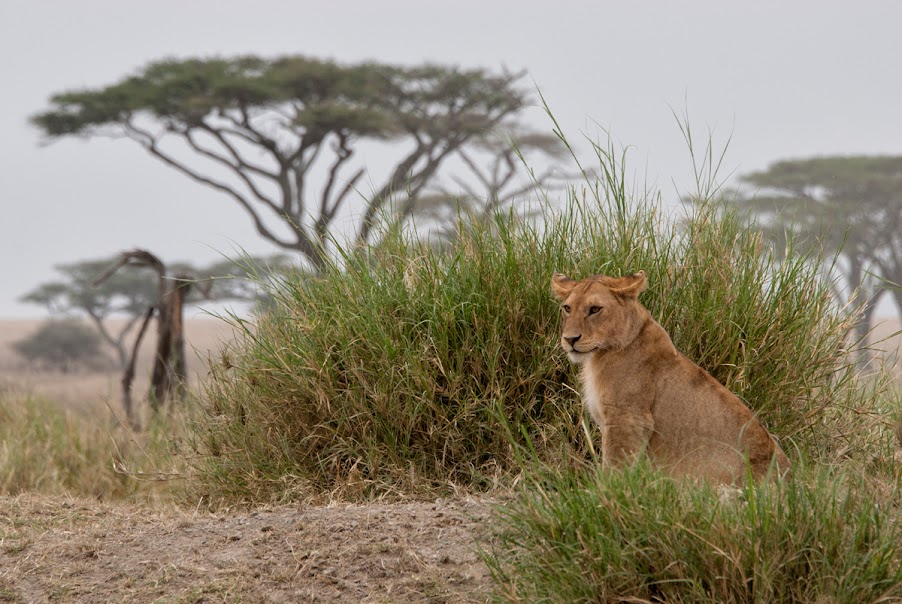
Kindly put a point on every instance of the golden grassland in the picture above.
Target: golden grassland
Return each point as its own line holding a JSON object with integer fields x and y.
{"x": 65, "y": 433}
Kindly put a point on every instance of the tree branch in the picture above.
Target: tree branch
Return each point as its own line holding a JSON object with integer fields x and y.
{"x": 474, "y": 169}
{"x": 292, "y": 207}
{"x": 417, "y": 182}
{"x": 465, "y": 186}
{"x": 150, "y": 144}
{"x": 219, "y": 135}
{"x": 401, "y": 176}
{"x": 236, "y": 168}
{"x": 116, "y": 343}
{"x": 325, "y": 218}
{"x": 392, "y": 184}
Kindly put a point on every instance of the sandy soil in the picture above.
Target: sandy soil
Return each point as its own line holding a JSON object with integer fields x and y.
{"x": 58, "y": 550}
{"x": 69, "y": 550}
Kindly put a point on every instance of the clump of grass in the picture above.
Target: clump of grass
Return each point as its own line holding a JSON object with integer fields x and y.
{"x": 46, "y": 449}
{"x": 409, "y": 370}
{"x": 405, "y": 371}
{"x": 636, "y": 536}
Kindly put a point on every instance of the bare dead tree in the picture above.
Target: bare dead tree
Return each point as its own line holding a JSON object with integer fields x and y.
{"x": 128, "y": 374}
{"x": 169, "y": 377}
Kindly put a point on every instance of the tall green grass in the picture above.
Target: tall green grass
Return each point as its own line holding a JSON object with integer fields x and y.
{"x": 635, "y": 536}
{"x": 408, "y": 370}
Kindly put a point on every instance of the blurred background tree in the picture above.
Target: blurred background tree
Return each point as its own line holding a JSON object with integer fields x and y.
{"x": 492, "y": 180}
{"x": 63, "y": 345}
{"x": 261, "y": 130}
{"x": 848, "y": 207}
{"x": 128, "y": 293}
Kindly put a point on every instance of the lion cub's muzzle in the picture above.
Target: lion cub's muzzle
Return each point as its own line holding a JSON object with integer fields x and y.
{"x": 569, "y": 344}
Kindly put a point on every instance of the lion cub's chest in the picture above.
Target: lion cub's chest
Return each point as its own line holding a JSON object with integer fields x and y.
{"x": 592, "y": 393}
{"x": 605, "y": 391}
{"x": 600, "y": 391}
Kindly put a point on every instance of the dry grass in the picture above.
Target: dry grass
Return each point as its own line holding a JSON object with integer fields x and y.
{"x": 886, "y": 342}
{"x": 64, "y": 434}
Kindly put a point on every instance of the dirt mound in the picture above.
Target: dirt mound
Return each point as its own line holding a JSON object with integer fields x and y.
{"x": 60, "y": 550}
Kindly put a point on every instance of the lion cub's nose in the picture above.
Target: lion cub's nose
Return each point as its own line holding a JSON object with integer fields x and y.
{"x": 572, "y": 340}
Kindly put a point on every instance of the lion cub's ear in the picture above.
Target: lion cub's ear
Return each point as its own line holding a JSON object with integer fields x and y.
{"x": 631, "y": 285}
{"x": 561, "y": 286}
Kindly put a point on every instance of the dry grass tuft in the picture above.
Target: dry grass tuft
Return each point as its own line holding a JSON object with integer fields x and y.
{"x": 50, "y": 450}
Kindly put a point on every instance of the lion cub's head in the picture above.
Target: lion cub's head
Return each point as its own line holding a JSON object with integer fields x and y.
{"x": 599, "y": 313}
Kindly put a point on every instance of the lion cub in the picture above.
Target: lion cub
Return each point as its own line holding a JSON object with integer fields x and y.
{"x": 647, "y": 396}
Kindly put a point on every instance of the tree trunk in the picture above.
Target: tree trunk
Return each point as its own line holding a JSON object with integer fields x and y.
{"x": 862, "y": 325}
{"x": 128, "y": 374}
{"x": 170, "y": 378}
{"x": 894, "y": 278}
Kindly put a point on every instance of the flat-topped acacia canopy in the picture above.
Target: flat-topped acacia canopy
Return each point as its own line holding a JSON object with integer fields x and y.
{"x": 264, "y": 124}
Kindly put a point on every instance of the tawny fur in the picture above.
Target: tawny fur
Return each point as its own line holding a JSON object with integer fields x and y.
{"x": 648, "y": 397}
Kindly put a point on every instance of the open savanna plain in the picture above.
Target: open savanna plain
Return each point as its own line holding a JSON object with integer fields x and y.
{"x": 77, "y": 548}
{"x": 90, "y": 391}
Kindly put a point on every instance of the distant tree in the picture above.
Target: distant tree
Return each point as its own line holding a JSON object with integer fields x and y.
{"x": 260, "y": 130}
{"x": 245, "y": 278}
{"x": 63, "y": 344}
{"x": 496, "y": 179}
{"x": 849, "y": 206}
{"x": 127, "y": 294}
{"x": 169, "y": 377}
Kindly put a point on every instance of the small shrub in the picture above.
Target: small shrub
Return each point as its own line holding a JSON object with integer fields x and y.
{"x": 635, "y": 536}
{"x": 64, "y": 345}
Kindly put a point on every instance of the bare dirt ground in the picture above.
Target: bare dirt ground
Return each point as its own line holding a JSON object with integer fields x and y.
{"x": 59, "y": 550}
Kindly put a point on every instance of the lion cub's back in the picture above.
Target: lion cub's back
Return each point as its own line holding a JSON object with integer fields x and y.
{"x": 703, "y": 428}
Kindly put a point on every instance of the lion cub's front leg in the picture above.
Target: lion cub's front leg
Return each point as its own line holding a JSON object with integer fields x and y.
{"x": 625, "y": 418}
{"x": 624, "y": 436}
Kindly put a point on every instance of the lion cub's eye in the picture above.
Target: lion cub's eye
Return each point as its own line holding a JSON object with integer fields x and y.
{"x": 594, "y": 310}
{"x": 566, "y": 308}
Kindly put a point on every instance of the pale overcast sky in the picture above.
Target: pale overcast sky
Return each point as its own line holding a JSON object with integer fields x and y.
{"x": 785, "y": 78}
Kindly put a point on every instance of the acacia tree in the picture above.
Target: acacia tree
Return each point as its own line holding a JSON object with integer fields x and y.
{"x": 63, "y": 344}
{"x": 849, "y": 206}
{"x": 128, "y": 293}
{"x": 494, "y": 179}
{"x": 258, "y": 130}
{"x": 246, "y": 278}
